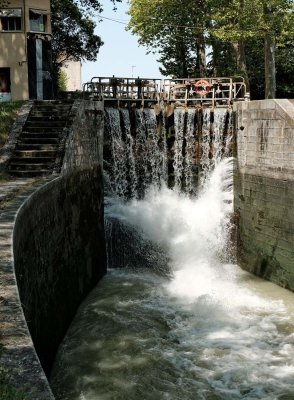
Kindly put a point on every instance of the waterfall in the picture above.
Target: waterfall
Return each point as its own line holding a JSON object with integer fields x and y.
{"x": 201, "y": 328}
{"x": 190, "y": 153}
{"x": 131, "y": 164}
{"x": 134, "y": 158}
{"x": 117, "y": 167}
{"x": 178, "y": 163}
{"x": 138, "y": 150}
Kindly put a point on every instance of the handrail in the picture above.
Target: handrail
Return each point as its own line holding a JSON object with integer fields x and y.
{"x": 215, "y": 91}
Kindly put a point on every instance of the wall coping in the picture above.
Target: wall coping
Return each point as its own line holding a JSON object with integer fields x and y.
{"x": 285, "y": 107}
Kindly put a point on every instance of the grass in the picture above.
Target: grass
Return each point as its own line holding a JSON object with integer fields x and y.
{"x": 8, "y": 112}
{"x": 7, "y": 392}
{"x": 4, "y": 177}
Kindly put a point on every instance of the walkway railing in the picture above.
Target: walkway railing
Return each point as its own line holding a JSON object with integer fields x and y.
{"x": 125, "y": 89}
{"x": 213, "y": 91}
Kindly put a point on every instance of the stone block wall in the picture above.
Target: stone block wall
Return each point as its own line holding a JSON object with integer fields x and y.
{"x": 82, "y": 147}
{"x": 264, "y": 189}
{"x": 59, "y": 254}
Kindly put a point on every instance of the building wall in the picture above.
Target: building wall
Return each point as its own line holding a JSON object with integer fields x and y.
{"x": 13, "y": 47}
{"x": 264, "y": 189}
{"x": 73, "y": 73}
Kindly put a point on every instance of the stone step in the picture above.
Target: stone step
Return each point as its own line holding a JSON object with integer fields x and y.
{"x": 42, "y": 135}
{"x": 48, "y": 118}
{"x": 53, "y": 102}
{"x": 38, "y": 140}
{"x": 15, "y": 166}
{"x": 42, "y": 129}
{"x": 44, "y": 122}
{"x": 57, "y": 114}
{"x": 36, "y": 146}
{"x": 32, "y": 160}
{"x": 28, "y": 173}
{"x": 35, "y": 153}
{"x": 51, "y": 109}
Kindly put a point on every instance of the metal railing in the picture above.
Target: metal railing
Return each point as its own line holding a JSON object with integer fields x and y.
{"x": 220, "y": 91}
{"x": 214, "y": 91}
{"x": 130, "y": 89}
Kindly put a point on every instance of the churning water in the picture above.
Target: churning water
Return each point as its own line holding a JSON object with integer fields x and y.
{"x": 206, "y": 331}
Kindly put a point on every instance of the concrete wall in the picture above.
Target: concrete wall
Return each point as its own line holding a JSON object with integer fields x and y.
{"x": 59, "y": 240}
{"x": 82, "y": 146}
{"x": 59, "y": 254}
{"x": 264, "y": 189}
{"x": 73, "y": 70}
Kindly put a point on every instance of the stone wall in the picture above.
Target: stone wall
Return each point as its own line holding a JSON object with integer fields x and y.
{"x": 7, "y": 150}
{"x": 18, "y": 357}
{"x": 59, "y": 253}
{"x": 82, "y": 145}
{"x": 264, "y": 189}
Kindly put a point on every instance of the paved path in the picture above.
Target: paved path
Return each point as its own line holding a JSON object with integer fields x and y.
{"x": 17, "y": 354}
{"x": 9, "y": 189}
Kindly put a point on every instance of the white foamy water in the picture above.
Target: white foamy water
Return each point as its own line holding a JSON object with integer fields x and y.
{"x": 210, "y": 331}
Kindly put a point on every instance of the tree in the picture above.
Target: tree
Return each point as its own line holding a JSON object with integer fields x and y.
{"x": 235, "y": 30}
{"x": 73, "y": 31}
{"x": 267, "y": 22}
{"x": 175, "y": 31}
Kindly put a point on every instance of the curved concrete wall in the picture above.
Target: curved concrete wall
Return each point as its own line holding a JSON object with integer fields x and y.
{"x": 56, "y": 232}
{"x": 59, "y": 254}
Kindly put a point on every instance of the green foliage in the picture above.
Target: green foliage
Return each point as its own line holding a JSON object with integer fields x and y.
{"x": 73, "y": 30}
{"x": 234, "y": 31}
{"x": 7, "y": 392}
{"x": 172, "y": 29}
{"x": 62, "y": 81}
{"x": 8, "y": 112}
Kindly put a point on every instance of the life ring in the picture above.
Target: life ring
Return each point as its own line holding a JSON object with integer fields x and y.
{"x": 201, "y": 87}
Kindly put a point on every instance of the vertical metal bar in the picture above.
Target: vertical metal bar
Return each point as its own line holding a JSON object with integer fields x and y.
{"x": 39, "y": 69}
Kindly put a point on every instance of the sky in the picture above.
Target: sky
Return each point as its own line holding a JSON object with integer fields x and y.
{"x": 120, "y": 55}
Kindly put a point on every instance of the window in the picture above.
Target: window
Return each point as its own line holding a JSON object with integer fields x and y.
{"x": 38, "y": 20}
{"x": 4, "y": 80}
{"x": 10, "y": 19}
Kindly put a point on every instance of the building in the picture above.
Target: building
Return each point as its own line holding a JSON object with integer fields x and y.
{"x": 73, "y": 70}
{"x": 25, "y": 50}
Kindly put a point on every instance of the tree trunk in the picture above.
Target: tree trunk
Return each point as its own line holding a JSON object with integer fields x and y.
{"x": 241, "y": 62}
{"x": 201, "y": 57}
{"x": 240, "y": 51}
{"x": 270, "y": 67}
{"x": 269, "y": 60}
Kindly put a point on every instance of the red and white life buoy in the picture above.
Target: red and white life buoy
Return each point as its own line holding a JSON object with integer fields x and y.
{"x": 201, "y": 87}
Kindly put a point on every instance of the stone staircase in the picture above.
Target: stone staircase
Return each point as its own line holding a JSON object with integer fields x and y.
{"x": 37, "y": 146}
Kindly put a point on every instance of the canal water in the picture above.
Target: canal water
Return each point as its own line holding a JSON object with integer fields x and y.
{"x": 204, "y": 330}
